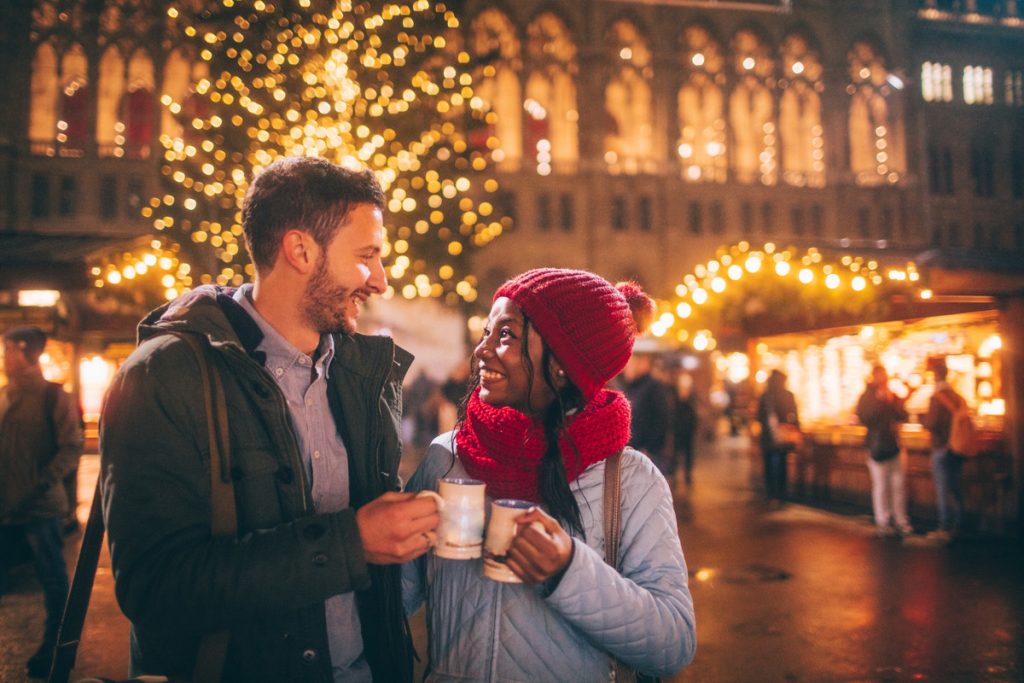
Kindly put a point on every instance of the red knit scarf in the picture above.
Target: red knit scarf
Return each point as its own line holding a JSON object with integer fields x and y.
{"x": 503, "y": 447}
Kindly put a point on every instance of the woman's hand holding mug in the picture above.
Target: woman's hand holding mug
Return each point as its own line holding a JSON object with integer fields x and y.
{"x": 541, "y": 548}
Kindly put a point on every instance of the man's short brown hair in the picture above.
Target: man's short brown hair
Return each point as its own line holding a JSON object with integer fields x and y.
{"x": 305, "y": 193}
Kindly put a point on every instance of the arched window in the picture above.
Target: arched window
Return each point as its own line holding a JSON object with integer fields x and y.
{"x": 551, "y": 133}
{"x": 180, "y": 102}
{"x": 108, "y": 97}
{"x": 627, "y": 101}
{"x": 701, "y": 108}
{"x": 752, "y": 111}
{"x": 876, "y": 145}
{"x": 136, "y": 109}
{"x": 73, "y": 108}
{"x": 42, "y": 129}
{"x": 124, "y": 112}
{"x": 800, "y": 125}
{"x": 496, "y": 49}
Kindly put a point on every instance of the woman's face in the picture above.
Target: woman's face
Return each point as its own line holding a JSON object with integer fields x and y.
{"x": 505, "y": 380}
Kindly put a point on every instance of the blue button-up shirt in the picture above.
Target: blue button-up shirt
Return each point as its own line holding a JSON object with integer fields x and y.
{"x": 303, "y": 381}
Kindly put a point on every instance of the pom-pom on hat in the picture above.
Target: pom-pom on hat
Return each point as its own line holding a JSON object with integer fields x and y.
{"x": 588, "y": 323}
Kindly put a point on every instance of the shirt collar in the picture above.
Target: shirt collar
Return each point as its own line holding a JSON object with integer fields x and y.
{"x": 279, "y": 351}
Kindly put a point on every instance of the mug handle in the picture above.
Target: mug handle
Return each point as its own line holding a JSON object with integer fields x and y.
{"x": 435, "y": 495}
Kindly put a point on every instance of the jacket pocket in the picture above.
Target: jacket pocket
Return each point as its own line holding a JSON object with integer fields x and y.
{"x": 257, "y": 474}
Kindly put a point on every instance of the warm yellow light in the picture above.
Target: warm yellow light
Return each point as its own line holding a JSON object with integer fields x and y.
{"x": 684, "y": 310}
{"x": 43, "y": 298}
{"x": 753, "y": 263}
{"x": 927, "y": 294}
{"x": 832, "y": 281}
{"x": 700, "y": 341}
{"x": 990, "y": 345}
{"x": 718, "y": 285}
{"x": 114, "y": 277}
{"x": 700, "y": 296}
{"x": 735, "y": 272}
{"x": 806, "y": 275}
{"x": 782, "y": 268}
{"x": 867, "y": 332}
{"x": 858, "y": 283}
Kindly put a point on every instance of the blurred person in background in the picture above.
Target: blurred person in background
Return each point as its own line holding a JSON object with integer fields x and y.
{"x": 651, "y": 402}
{"x": 882, "y": 411}
{"x": 40, "y": 444}
{"x": 776, "y": 407}
{"x": 946, "y": 463}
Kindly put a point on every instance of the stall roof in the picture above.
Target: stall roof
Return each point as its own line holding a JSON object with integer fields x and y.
{"x": 973, "y": 272}
{"x": 55, "y": 261}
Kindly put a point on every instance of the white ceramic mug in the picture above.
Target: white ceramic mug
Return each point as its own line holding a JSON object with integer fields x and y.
{"x": 501, "y": 531}
{"x": 461, "y": 505}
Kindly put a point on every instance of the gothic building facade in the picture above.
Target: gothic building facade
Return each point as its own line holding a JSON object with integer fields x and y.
{"x": 635, "y": 136}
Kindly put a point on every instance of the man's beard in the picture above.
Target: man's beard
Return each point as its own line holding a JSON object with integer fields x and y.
{"x": 324, "y": 303}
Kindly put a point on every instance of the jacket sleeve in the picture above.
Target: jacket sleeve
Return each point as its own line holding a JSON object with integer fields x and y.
{"x": 168, "y": 568}
{"x": 643, "y": 616}
{"x": 68, "y": 432}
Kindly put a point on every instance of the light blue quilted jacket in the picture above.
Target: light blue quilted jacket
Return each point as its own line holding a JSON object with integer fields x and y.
{"x": 482, "y": 630}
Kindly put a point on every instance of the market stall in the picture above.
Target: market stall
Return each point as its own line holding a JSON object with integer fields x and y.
{"x": 827, "y": 371}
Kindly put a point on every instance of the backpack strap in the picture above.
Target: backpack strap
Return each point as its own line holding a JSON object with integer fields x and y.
{"x": 223, "y": 523}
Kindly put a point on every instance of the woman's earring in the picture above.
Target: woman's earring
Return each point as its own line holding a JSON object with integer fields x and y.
{"x": 561, "y": 373}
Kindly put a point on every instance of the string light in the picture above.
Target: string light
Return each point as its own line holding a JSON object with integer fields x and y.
{"x": 700, "y": 294}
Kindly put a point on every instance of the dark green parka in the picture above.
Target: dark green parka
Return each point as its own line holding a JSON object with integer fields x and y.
{"x": 173, "y": 579}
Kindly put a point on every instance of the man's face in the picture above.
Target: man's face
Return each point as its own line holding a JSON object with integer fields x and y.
{"x": 349, "y": 270}
{"x": 14, "y": 359}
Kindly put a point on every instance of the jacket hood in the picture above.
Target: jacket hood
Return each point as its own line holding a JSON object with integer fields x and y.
{"x": 212, "y": 311}
{"x": 209, "y": 310}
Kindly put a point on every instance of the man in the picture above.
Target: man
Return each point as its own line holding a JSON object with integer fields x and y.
{"x": 309, "y": 590}
{"x": 651, "y": 403}
{"x": 946, "y": 464}
{"x": 40, "y": 443}
{"x": 881, "y": 411}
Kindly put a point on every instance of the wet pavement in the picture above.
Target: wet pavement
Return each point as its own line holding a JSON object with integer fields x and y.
{"x": 787, "y": 594}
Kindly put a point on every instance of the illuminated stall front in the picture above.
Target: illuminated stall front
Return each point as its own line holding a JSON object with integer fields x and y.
{"x": 825, "y": 317}
{"x": 827, "y": 371}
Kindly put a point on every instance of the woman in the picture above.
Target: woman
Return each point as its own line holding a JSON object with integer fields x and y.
{"x": 881, "y": 411}
{"x": 538, "y": 425}
{"x": 777, "y": 406}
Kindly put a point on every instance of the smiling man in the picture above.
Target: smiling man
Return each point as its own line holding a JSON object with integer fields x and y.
{"x": 309, "y": 588}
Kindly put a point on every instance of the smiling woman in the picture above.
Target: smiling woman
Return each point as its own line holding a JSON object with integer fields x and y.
{"x": 538, "y": 429}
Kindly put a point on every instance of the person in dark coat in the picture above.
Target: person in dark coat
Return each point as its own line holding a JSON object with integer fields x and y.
{"x": 946, "y": 463}
{"x": 684, "y": 427}
{"x": 40, "y": 443}
{"x": 651, "y": 402}
{"x": 309, "y": 589}
{"x": 776, "y": 406}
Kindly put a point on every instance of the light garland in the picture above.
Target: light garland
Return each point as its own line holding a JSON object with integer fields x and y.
{"x": 709, "y": 282}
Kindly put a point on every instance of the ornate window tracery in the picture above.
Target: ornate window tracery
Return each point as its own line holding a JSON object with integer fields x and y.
{"x": 876, "y": 145}
{"x": 628, "y": 129}
{"x": 800, "y": 114}
{"x": 752, "y": 111}
{"x": 551, "y": 135}
{"x": 496, "y": 48}
{"x": 701, "y": 109}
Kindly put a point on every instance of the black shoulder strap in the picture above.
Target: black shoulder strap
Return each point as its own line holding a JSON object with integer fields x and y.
{"x": 224, "y": 522}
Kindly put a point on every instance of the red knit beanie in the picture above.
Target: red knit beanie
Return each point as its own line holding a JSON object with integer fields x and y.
{"x": 588, "y": 323}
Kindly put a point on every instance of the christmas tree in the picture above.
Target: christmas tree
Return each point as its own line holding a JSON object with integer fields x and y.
{"x": 362, "y": 83}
